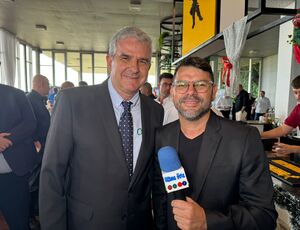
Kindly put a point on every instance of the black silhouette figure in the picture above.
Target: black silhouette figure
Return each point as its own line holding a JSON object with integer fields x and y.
{"x": 195, "y": 9}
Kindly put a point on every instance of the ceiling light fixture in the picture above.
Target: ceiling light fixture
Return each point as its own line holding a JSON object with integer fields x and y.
{"x": 41, "y": 27}
{"x": 60, "y": 43}
{"x": 135, "y": 5}
{"x": 253, "y": 52}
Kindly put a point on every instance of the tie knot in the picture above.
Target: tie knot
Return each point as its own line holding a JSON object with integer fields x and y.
{"x": 126, "y": 105}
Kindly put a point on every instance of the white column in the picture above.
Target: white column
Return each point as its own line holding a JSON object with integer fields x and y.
{"x": 287, "y": 70}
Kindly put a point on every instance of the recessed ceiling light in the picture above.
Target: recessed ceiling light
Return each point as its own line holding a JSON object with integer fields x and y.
{"x": 41, "y": 27}
{"x": 253, "y": 51}
{"x": 60, "y": 43}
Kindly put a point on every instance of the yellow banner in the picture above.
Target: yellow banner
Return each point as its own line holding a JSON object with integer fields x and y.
{"x": 199, "y": 23}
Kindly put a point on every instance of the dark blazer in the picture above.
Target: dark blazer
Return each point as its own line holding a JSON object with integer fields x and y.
{"x": 84, "y": 143}
{"x": 17, "y": 118}
{"x": 42, "y": 116}
{"x": 231, "y": 181}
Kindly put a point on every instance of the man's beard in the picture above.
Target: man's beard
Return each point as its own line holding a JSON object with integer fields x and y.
{"x": 192, "y": 115}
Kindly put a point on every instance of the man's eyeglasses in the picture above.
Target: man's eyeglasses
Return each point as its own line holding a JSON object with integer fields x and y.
{"x": 201, "y": 86}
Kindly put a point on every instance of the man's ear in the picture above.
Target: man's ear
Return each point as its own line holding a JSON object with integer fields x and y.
{"x": 214, "y": 92}
{"x": 109, "y": 62}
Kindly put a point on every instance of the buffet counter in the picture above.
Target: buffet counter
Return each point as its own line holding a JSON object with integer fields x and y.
{"x": 286, "y": 182}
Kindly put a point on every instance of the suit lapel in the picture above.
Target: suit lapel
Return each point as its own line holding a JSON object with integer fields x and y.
{"x": 105, "y": 108}
{"x": 144, "y": 154}
{"x": 210, "y": 142}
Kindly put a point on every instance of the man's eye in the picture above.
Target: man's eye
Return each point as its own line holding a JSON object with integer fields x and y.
{"x": 181, "y": 84}
{"x": 143, "y": 62}
{"x": 124, "y": 58}
{"x": 200, "y": 84}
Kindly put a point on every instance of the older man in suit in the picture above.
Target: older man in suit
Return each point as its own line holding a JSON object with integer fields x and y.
{"x": 37, "y": 98}
{"x": 17, "y": 156}
{"x": 230, "y": 185}
{"x": 92, "y": 177}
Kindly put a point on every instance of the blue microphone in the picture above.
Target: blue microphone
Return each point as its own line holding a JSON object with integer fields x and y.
{"x": 173, "y": 174}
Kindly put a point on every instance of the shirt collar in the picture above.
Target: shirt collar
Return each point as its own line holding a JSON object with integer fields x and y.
{"x": 117, "y": 99}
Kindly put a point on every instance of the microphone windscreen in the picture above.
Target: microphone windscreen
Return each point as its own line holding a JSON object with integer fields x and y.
{"x": 168, "y": 159}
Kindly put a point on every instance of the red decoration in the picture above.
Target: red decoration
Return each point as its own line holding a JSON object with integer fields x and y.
{"x": 297, "y": 52}
{"x": 226, "y": 68}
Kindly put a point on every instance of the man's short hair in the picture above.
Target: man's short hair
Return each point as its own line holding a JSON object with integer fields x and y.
{"x": 147, "y": 85}
{"x": 296, "y": 82}
{"x": 82, "y": 83}
{"x": 198, "y": 63}
{"x": 129, "y": 32}
{"x": 166, "y": 75}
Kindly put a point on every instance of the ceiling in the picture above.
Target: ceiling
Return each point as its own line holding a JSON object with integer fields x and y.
{"x": 80, "y": 24}
{"x": 87, "y": 25}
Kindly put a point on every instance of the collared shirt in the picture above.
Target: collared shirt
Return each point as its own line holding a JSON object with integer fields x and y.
{"x": 136, "y": 117}
{"x": 170, "y": 112}
{"x": 4, "y": 167}
{"x": 262, "y": 104}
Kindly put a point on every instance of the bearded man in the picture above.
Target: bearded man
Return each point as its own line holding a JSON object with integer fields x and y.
{"x": 229, "y": 182}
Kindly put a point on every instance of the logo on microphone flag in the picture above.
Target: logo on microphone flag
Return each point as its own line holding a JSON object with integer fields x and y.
{"x": 175, "y": 180}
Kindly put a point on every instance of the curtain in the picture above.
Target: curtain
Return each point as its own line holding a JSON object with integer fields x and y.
{"x": 234, "y": 38}
{"x": 7, "y": 57}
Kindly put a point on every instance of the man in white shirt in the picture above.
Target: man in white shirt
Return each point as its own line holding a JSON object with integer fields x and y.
{"x": 262, "y": 105}
{"x": 164, "y": 98}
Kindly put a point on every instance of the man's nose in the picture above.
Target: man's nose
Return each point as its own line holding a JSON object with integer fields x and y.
{"x": 134, "y": 65}
{"x": 191, "y": 89}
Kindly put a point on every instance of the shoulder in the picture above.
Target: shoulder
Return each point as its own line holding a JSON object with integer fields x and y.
{"x": 82, "y": 93}
{"x": 168, "y": 129}
{"x": 9, "y": 90}
{"x": 228, "y": 127}
{"x": 147, "y": 101}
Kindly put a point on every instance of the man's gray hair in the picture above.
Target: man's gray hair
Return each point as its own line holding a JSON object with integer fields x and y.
{"x": 129, "y": 32}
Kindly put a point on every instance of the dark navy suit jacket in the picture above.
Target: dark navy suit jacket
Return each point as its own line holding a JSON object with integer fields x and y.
{"x": 42, "y": 116}
{"x": 17, "y": 118}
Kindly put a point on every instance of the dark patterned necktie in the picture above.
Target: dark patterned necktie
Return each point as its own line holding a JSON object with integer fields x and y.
{"x": 126, "y": 131}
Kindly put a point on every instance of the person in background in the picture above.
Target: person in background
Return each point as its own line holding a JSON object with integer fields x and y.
{"x": 52, "y": 94}
{"x": 224, "y": 103}
{"x": 241, "y": 102}
{"x": 290, "y": 123}
{"x": 40, "y": 90}
{"x": 261, "y": 105}
{"x": 146, "y": 89}
{"x": 82, "y": 83}
{"x": 164, "y": 98}
{"x": 17, "y": 156}
{"x": 249, "y": 107}
{"x": 66, "y": 85}
{"x": 230, "y": 185}
{"x": 97, "y": 166}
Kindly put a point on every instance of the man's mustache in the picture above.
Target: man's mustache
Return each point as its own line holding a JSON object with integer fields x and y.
{"x": 191, "y": 98}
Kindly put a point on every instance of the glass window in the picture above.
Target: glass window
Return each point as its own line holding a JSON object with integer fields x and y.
{"x": 29, "y": 67}
{"x": 87, "y": 68}
{"x": 46, "y": 65}
{"x": 100, "y": 68}
{"x": 152, "y": 72}
{"x": 249, "y": 74}
{"x": 34, "y": 65}
{"x": 59, "y": 66}
{"x": 73, "y": 67}
{"x": 22, "y": 68}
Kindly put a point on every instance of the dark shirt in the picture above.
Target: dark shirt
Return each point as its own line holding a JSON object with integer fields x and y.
{"x": 188, "y": 154}
{"x": 42, "y": 116}
{"x": 242, "y": 99}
